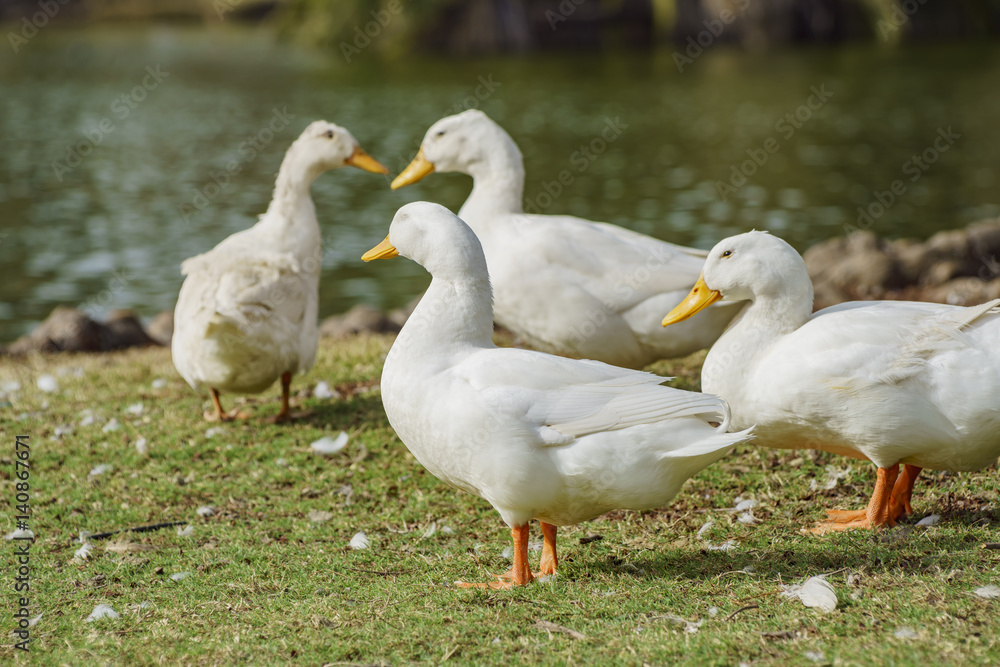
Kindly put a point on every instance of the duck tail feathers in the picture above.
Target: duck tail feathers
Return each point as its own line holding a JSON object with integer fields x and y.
{"x": 711, "y": 444}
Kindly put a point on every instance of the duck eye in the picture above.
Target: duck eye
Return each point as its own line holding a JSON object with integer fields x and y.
{"x": 329, "y": 134}
{"x": 727, "y": 253}
{"x": 440, "y": 133}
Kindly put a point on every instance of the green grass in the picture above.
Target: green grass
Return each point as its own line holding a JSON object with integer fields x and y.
{"x": 269, "y": 586}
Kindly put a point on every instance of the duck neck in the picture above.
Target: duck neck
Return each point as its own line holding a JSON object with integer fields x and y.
{"x": 779, "y": 314}
{"x": 497, "y": 186}
{"x": 452, "y": 315}
{"x": 291, "y": 215}
{"x": 735, "y": 356}
{"x": 291, "y": 188}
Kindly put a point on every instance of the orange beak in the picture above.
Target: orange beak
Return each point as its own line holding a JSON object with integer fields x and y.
{"x": 363, "y": 160}
{"x": 383, "y": 250}
{"x": 414, "y": 171}
{"x": 698, "y": 299}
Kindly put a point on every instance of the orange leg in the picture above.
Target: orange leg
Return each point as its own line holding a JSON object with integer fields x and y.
{"x": 519, "y": 574}
{"x": 902, "y": 492}
{"x": 549, "y": 559}
{"x": 877, "y": 514}
{"x": 283, "y": 415}
{"x": 220, "y": 415}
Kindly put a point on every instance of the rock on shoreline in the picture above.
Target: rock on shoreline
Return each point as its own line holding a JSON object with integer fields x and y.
{"x": 72, "y": 330}
{"x": 960, "y": 267}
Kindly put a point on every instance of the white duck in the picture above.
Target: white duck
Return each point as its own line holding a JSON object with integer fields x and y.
{"x": 246, "y": 314}
{"x": 892, "y": 382}
{"x": 565, "y": 285}
{"x": 538, "y": 436}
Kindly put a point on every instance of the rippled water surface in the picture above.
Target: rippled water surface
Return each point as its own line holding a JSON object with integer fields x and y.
{"x": 107, "y": 229}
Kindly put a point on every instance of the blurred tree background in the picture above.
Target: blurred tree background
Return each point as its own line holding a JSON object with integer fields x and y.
{"x": 505, "y": 26}
{"x": 93, "y": 188}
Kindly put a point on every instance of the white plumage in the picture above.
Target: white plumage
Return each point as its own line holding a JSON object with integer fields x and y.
{"x": 892, "y": 381}
{"x": 564, "y": 284}
{"x": 246, "y": 313}
{"x": 538, "y": 436}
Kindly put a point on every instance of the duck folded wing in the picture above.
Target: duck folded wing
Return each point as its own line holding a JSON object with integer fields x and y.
{"x": 618, "y": 267}
{"x": 256, "y": 292}
{"x": 565, "y": 399}
{"x": 249, "y": 291}
{"x": 228, "y": 256}
{"x": 893, "y": 340}
{"x": 631, "y": 236}
{"x": 945, "y": 331}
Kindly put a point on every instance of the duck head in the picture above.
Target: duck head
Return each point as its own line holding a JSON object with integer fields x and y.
{"x": 323, "y": 146}
{"x": 458, "y": 143}
{"x": 435, "y": 238}
{"x": 747, "y": 267}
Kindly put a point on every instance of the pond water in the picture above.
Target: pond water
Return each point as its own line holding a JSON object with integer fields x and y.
{"x": 159, "y": 110}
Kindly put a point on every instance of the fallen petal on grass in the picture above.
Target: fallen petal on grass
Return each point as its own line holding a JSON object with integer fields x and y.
{"x": 931, "y": 520}
{"x": 319, "y": 516}
{"x": 180, "y": 576}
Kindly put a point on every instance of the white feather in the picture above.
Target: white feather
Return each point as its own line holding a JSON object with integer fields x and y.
{"x": 360, "y": 541}
{"x": 102, "y": 611}
{"x": 329, "y": 446}
{"x": 814, "y": 592}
